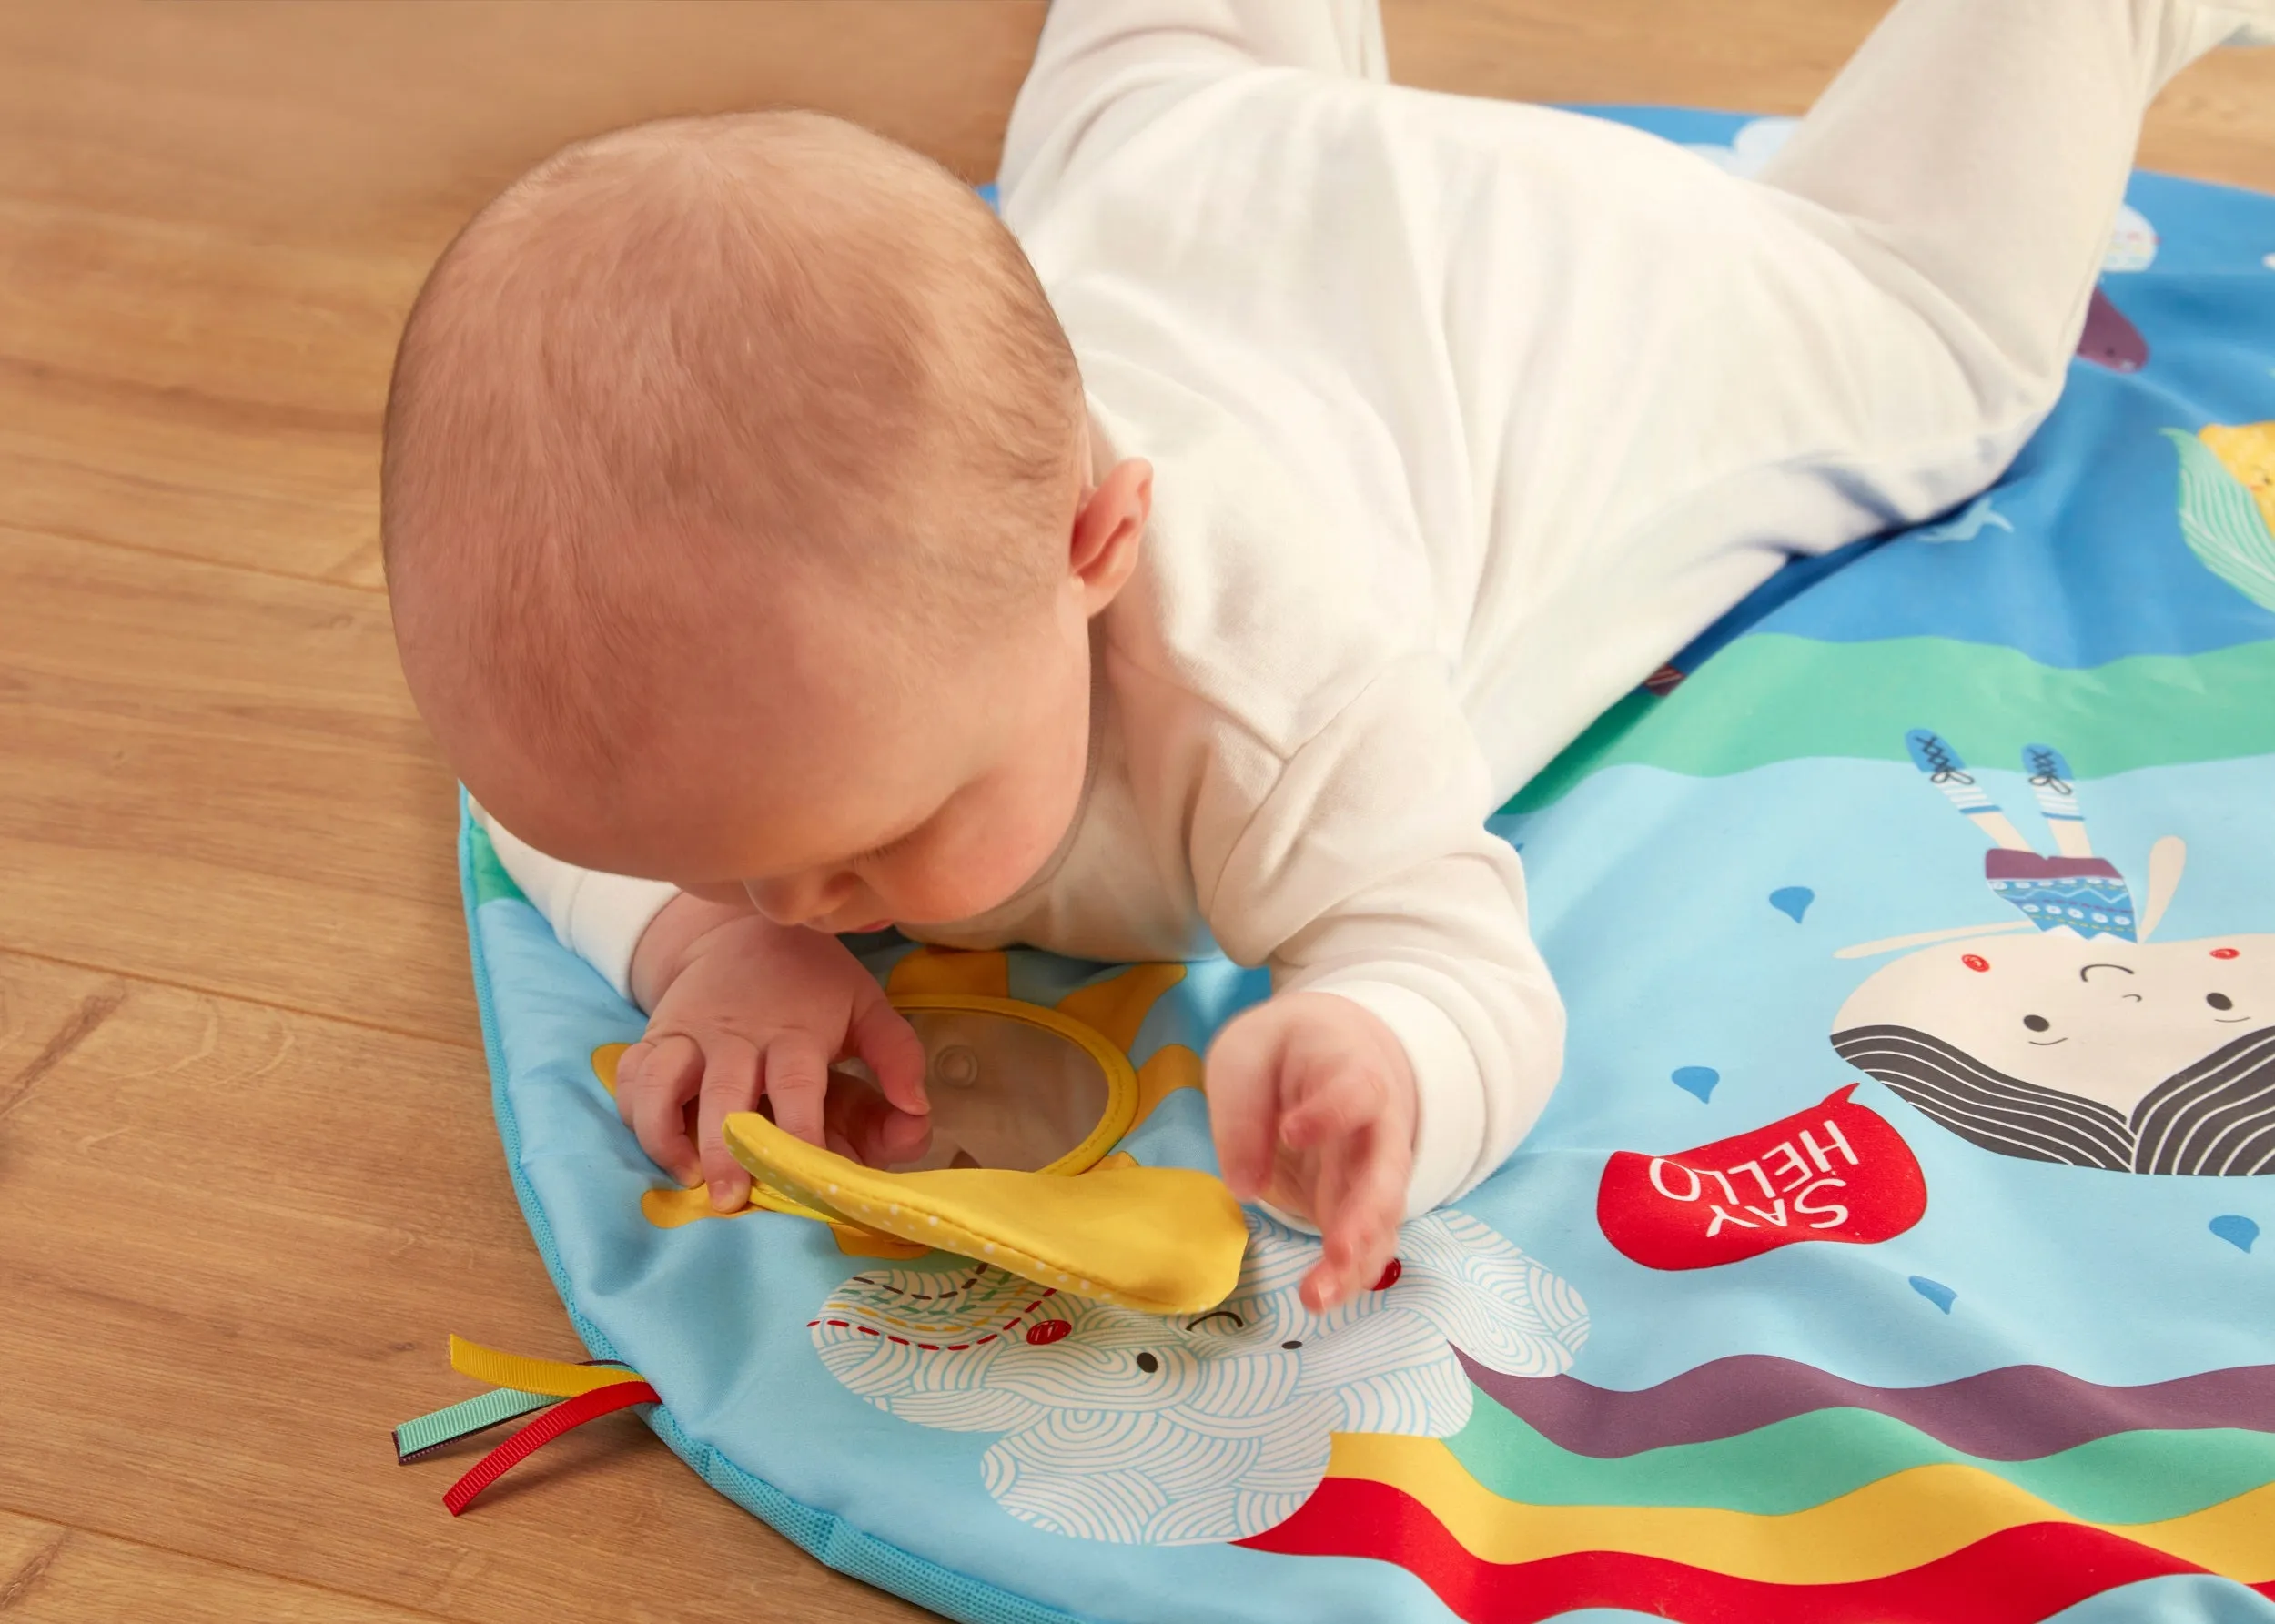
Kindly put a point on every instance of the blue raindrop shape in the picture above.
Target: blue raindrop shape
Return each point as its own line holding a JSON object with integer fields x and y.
{"x": 1791, "y": 901}
{"x": 1699, "y": 1080}
{"x": 1934, "y": 1291}
{"x": 2236, "y": 1229}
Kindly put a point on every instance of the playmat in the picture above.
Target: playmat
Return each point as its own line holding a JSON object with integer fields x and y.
{"x": 1900, "y": 1243}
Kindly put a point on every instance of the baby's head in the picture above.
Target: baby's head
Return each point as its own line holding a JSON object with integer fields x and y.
{"x": 742, "y": 526}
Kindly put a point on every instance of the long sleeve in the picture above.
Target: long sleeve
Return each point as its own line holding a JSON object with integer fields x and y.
{"x": 1358, "y": 865}
{"x": 599, "y": 917}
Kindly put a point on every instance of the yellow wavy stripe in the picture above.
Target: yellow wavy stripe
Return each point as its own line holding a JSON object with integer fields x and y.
{"x": 532, "y": 1375}
{"x": 1899, "y": 1522}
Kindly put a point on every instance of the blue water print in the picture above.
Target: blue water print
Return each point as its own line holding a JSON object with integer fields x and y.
{"x": 1934, "y": 1291}
{"x": 1791, "y": 901}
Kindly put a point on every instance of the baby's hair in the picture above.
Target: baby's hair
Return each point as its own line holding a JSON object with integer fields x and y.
{"x": 680, "y": 367}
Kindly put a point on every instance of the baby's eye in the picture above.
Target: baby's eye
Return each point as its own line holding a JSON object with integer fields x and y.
{"x": 2220, "y": 1001}
{"x": 2037, "y": 1023}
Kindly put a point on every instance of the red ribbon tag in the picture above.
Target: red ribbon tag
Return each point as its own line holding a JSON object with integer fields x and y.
{"x": 1835, "y": 1171}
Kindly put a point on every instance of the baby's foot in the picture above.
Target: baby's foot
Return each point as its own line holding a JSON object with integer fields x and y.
{"x": 2253, "y": 21}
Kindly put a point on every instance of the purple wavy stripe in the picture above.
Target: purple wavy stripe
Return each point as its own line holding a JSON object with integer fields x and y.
{"x": 2020, "y": 1412}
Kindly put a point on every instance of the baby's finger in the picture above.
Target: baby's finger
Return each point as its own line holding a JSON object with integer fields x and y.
{"x": 652, "y": 1096}
{"x": 730, "y": 1084}
{"x": 1362, "y": 1196}
{"x": 1244, "y": 1106}
{"x": 866, "y": 1126}
{"x": 1336, "y": 1098}
{"x": 797, "y": 1081}
{"x": 889, "y": 1045}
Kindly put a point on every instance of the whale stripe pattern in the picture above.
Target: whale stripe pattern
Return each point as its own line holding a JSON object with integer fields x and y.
{"x": 2215, "y": 1117}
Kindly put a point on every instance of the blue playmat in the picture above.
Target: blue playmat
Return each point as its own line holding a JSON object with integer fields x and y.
{"x": 1899, "y": 1245}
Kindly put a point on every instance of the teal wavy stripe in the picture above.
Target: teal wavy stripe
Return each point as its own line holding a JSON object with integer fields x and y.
{"x": 1773, "y": 697}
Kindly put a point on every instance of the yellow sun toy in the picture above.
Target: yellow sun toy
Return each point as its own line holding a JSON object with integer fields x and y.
{"x": 1027, "y": 1102}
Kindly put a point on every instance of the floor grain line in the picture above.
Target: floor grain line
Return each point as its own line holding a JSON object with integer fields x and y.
{"x": 182, "y": 555}
{"x": 44, "y": 1558}
{"x": 252, "y": 1000}
{"x": 94, "y": 1009}
{"x": 19, "y": 1585}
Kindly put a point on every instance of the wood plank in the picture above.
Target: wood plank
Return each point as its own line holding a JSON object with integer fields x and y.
{"x": 213, "y": 219}
{"x": 191, "y": 388}
{"x": 54, "y": 1575}
{"x": 232, "y": 1240}
{"x": 216, "y": 778}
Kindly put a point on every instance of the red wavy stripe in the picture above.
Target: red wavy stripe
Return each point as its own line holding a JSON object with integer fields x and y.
{"x": 2017, "y": 1576}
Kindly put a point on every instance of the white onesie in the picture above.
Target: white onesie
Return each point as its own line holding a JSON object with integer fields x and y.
{"x": 1465, "y": 415}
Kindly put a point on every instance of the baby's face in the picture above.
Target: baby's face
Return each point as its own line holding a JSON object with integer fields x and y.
{"x": 978, "y": 777}
{"x": 2099, "y": 1017}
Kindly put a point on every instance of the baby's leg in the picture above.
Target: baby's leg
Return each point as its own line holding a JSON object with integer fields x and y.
{"x": 1740, "y": 370}
{"x": 1970, "y": 160}
{"x": 1093, "y": 53}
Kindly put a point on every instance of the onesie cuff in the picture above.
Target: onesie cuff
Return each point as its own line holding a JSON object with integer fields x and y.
{"x": 1448, "y": 1088}
{"x": 607, "y": 916}
{"x": 599, "y": 917}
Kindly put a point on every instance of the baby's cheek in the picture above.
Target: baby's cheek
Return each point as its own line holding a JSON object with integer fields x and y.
{"x": 971, "y": 875}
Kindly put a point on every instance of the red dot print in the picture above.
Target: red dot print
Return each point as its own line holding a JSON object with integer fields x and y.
{"x": 1047, "y": 1331}
{"x": 1390, "y": 1272}
{"x": 2227, "y": 953}
{"x": 1975, "y": 962}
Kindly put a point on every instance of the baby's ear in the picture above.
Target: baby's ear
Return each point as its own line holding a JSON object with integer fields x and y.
{"x": 1102, "y": 549}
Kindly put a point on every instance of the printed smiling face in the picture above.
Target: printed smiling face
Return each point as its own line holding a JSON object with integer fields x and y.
{"x": 2101, "y": 1018}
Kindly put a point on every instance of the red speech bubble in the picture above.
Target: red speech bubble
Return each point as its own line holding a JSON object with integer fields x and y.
{"x": 1835, "y": 1171}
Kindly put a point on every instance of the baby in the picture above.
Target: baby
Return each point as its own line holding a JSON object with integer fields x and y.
{"x": 781, "y": 552}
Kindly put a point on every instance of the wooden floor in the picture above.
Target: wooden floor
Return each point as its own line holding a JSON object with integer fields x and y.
{"x": 247, "y": 1175}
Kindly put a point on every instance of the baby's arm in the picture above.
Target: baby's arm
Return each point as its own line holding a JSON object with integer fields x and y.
{"x": 1414, "y": 1032}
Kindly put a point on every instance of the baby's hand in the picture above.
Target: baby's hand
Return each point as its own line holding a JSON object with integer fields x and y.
{"x": 739, "y": 1007}
{"x": 1312, "y": 1101}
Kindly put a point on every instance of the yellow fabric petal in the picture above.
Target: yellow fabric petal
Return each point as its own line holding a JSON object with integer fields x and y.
{"x": 532, "y": 1375}
{"x": 1162, "y": 1240}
